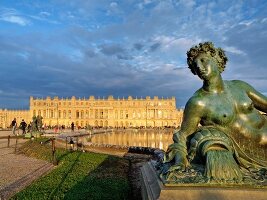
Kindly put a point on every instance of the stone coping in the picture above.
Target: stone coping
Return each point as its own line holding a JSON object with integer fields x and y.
{"x": 153, "y": 188}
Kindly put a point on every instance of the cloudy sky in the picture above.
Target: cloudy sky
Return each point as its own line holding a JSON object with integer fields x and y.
{"x": 126, "y": 47}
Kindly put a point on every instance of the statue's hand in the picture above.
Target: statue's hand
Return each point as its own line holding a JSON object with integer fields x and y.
{"x": 177, "y": 152}
{"x": 181, "y": 163}
{"x": 175, "y": 138}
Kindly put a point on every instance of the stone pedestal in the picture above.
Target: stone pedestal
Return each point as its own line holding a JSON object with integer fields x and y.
{"x": 153, "y": 188}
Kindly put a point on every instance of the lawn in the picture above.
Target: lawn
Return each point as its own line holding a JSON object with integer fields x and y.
{"x": 79, "y": 175}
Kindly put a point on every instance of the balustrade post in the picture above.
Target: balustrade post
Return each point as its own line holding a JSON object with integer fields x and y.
{"x": 8, "y": 141}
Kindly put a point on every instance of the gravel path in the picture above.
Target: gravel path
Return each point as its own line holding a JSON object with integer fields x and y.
{"x": 17, "y": 171}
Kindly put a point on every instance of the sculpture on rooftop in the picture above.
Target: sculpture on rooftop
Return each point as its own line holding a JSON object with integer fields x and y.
{"x": 223, "y": 136}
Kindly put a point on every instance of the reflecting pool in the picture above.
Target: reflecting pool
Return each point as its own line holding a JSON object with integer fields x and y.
{"x": 136, "y": 137}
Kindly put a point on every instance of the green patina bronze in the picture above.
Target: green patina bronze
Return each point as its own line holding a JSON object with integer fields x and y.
{"x": 223, "y": 136}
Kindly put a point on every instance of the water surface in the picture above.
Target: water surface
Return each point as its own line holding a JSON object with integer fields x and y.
{"x": 142, "y": 138}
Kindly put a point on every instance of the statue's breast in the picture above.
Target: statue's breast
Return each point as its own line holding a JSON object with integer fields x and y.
{"x": 219, "y": 111}
{"x": 243, "y": 103}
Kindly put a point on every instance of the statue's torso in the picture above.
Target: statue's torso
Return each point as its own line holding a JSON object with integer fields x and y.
{"x": 233, "y": 111}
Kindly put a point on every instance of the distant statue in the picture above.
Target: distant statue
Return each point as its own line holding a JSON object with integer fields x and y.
{"x": 222, "y": 128}
{"x": 34, "y": 126}
{"x": 37, "y": 123}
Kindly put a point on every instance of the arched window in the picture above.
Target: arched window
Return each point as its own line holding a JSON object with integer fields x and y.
{"x": 82, "y": 114}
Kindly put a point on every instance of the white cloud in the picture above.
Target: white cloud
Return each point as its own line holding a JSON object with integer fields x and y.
{"x": 176, "y": 44}
{"x": 12, "y": 16}
{"x": 51, "y": 69}
{"x": 113, "y": 5}
{"x": 44, "y": 14}
{"x": 77, "y": 56}
{"x": 186, "y": 3}
{"x": 15, "y": 19}
{"x": 247, "y": 22}
{"x": 234, "y": 50}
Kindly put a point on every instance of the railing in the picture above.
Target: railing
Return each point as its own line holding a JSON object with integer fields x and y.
{"x": 9, "y": 138}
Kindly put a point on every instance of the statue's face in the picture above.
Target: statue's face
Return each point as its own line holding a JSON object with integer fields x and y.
{"x": 205, "y": 66}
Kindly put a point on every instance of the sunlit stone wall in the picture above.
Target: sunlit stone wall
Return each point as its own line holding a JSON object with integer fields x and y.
{"x": 103, "y": 112}
{"x": 6, "y": 117}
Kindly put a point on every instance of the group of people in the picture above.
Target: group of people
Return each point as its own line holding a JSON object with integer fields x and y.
{"x": 23, "y": 125}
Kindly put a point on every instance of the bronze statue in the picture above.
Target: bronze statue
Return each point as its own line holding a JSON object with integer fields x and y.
{"x": 223, "y": 128}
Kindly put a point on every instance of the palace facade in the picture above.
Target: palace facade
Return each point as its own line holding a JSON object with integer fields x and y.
{"x": 101, "y": 112}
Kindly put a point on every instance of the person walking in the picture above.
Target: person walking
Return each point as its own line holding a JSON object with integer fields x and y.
{"x": 72, "y": 127}
{"x": 29, "y": 127}
{"x": 14, "y": 125}
{"x": 23, "y": 126}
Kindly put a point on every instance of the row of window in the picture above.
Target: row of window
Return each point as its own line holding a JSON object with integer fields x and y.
{"x": 104, "y": 114}
{"x": 106, "y": 123}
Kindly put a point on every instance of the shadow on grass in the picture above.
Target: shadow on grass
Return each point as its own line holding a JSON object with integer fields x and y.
{"x": 66, "y": 173}
{"x": 108, "y": 181}
{"x": 79, "y": 175}
{"x": 61, "y": 156}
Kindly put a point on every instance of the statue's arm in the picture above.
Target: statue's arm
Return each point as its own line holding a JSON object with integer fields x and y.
{"x": 189, "y": 125}
{"x": 259, "y": 100}
{"x": 191, "y": 118}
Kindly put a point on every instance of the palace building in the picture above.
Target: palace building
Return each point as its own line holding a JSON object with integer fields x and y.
{"x": 100, "y": 112}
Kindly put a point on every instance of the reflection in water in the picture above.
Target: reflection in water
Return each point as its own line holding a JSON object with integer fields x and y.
{"x": 143, "y": 138}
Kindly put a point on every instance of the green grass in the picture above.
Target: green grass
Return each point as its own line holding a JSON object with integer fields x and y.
{"x": 78, "y": 175}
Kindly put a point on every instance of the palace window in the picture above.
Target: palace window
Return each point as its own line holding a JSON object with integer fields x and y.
{"x": 116, "y": 114}
{"x": 160, "y": 114}
{"x": 96, "y": 114}
{"x": 82, "y": 114}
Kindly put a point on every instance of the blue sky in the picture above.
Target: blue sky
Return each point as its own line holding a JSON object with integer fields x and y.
{"x": 121, "y": 48}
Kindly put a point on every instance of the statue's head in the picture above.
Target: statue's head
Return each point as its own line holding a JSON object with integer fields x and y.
{"x": 207, "y": 48}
